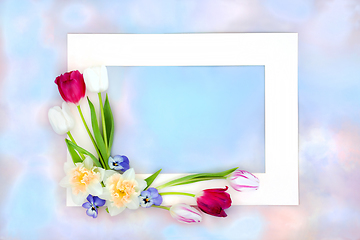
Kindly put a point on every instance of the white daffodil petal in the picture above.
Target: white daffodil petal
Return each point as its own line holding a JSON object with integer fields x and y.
{"x": 109, "y": 173}
{"x": 88, "y": 162}
{"x": 141, "y": 184}
{"x": 95, "y": 189}
{"x": 115, "y": 210}
{"x": 129, "y": 174}
{"x": 79, "y": 198}
{"x": 68, "y": 166}
{"x": 105, "y": 195}
{"x": 102, "y": 173}
{"x": 134, "y": 202}
{"x": 65, "y": 182}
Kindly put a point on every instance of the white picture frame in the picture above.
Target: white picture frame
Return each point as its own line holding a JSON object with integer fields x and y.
{"x": 278, "y": 52}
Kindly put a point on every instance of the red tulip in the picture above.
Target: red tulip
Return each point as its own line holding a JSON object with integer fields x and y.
{"x": 71, "y": 86}
{"x": 214, "y": 201}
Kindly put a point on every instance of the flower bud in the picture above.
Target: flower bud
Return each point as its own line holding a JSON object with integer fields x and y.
{"x": 96, "y": 79}
{"x": 185, "y": 213}
{"x": 214, "y": 201}
{"x": 61, "y": 120}
{"x": 243, "y": 181}
{"x": 71, "y": 86}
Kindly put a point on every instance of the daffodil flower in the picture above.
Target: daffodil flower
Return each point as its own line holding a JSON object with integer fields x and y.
{"x": 122, "y": 191}
{"x": 83, "y": 179}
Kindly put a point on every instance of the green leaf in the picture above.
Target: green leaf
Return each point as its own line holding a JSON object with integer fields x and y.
{"x": 109, "y": 122}
{"x": 97, "y": 134}
{"x": 151, "y": 179}
{"x": 83, "y": 151}
{"x": 74, "y": 155}
{"x": 196, "y": 178}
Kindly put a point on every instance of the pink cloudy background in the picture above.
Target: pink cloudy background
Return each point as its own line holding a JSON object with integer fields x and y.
{"x": 33, "y": 52}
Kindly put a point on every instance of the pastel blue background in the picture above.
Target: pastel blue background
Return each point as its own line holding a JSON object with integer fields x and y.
{"x": 33, "y": 52}
{"x": 189, "y": 119}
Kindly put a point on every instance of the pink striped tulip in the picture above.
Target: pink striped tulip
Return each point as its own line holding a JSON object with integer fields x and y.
{"x": 185, "y": 213}
{"x": 243, "y": 181}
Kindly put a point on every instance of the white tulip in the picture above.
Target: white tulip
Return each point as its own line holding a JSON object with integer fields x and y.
{"x": 96, "y": 79}
{"x": 61, "y": 120}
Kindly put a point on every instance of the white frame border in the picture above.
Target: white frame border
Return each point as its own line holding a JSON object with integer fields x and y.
{"x": 278, "y": 52}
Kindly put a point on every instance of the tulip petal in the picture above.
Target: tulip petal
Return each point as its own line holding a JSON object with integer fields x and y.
{"x": 243, "y": 181}
{"x": 185, "y": 213}
{"x": 91, "y": 80}
{"x": 69, "y": 117}
{"x": 104, "y": 83}
{"x": 58, "y": 121}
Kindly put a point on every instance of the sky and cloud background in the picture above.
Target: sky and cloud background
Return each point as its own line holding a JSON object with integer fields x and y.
{"x": 33, "y": 52}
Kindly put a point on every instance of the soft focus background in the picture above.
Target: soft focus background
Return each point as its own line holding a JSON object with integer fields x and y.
{"x": 189, "y": 119}
{"x": 33, "y": 53}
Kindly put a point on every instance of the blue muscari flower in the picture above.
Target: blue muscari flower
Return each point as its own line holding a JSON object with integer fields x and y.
{"x": 119, "y": 163}
{"x": 93, "y": 203}
{"x": 150, "y": 197}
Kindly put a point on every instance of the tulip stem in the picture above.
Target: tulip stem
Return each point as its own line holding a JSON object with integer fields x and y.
{"x": 177, "y": 193}
{"x": 163, "y": 207}
{"x": 73, "y": 140}
{"x": 103, "y": 121}
{"x": 91, "y": 137}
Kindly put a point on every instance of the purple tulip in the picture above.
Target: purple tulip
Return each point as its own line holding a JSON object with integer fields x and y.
{"x": 243, "y": 181}
{"x": 71, "y": 86}
{"x": 185, "y": 213}
{"x": 214, "y": 201}
{"x": 92, "y": 205}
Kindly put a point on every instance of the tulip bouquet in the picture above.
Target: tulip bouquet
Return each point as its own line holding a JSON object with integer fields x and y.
{"x": 106, "y": 180}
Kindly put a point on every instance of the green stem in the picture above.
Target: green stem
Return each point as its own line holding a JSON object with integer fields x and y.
{"x": 177, "y": 193}
{"x": 163, "y": 207}
{"x": 188, "y": 181}
{"x": 73, "y": 140}
{"x": 103, "y": 121}
{"x": 91, "y": 137}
